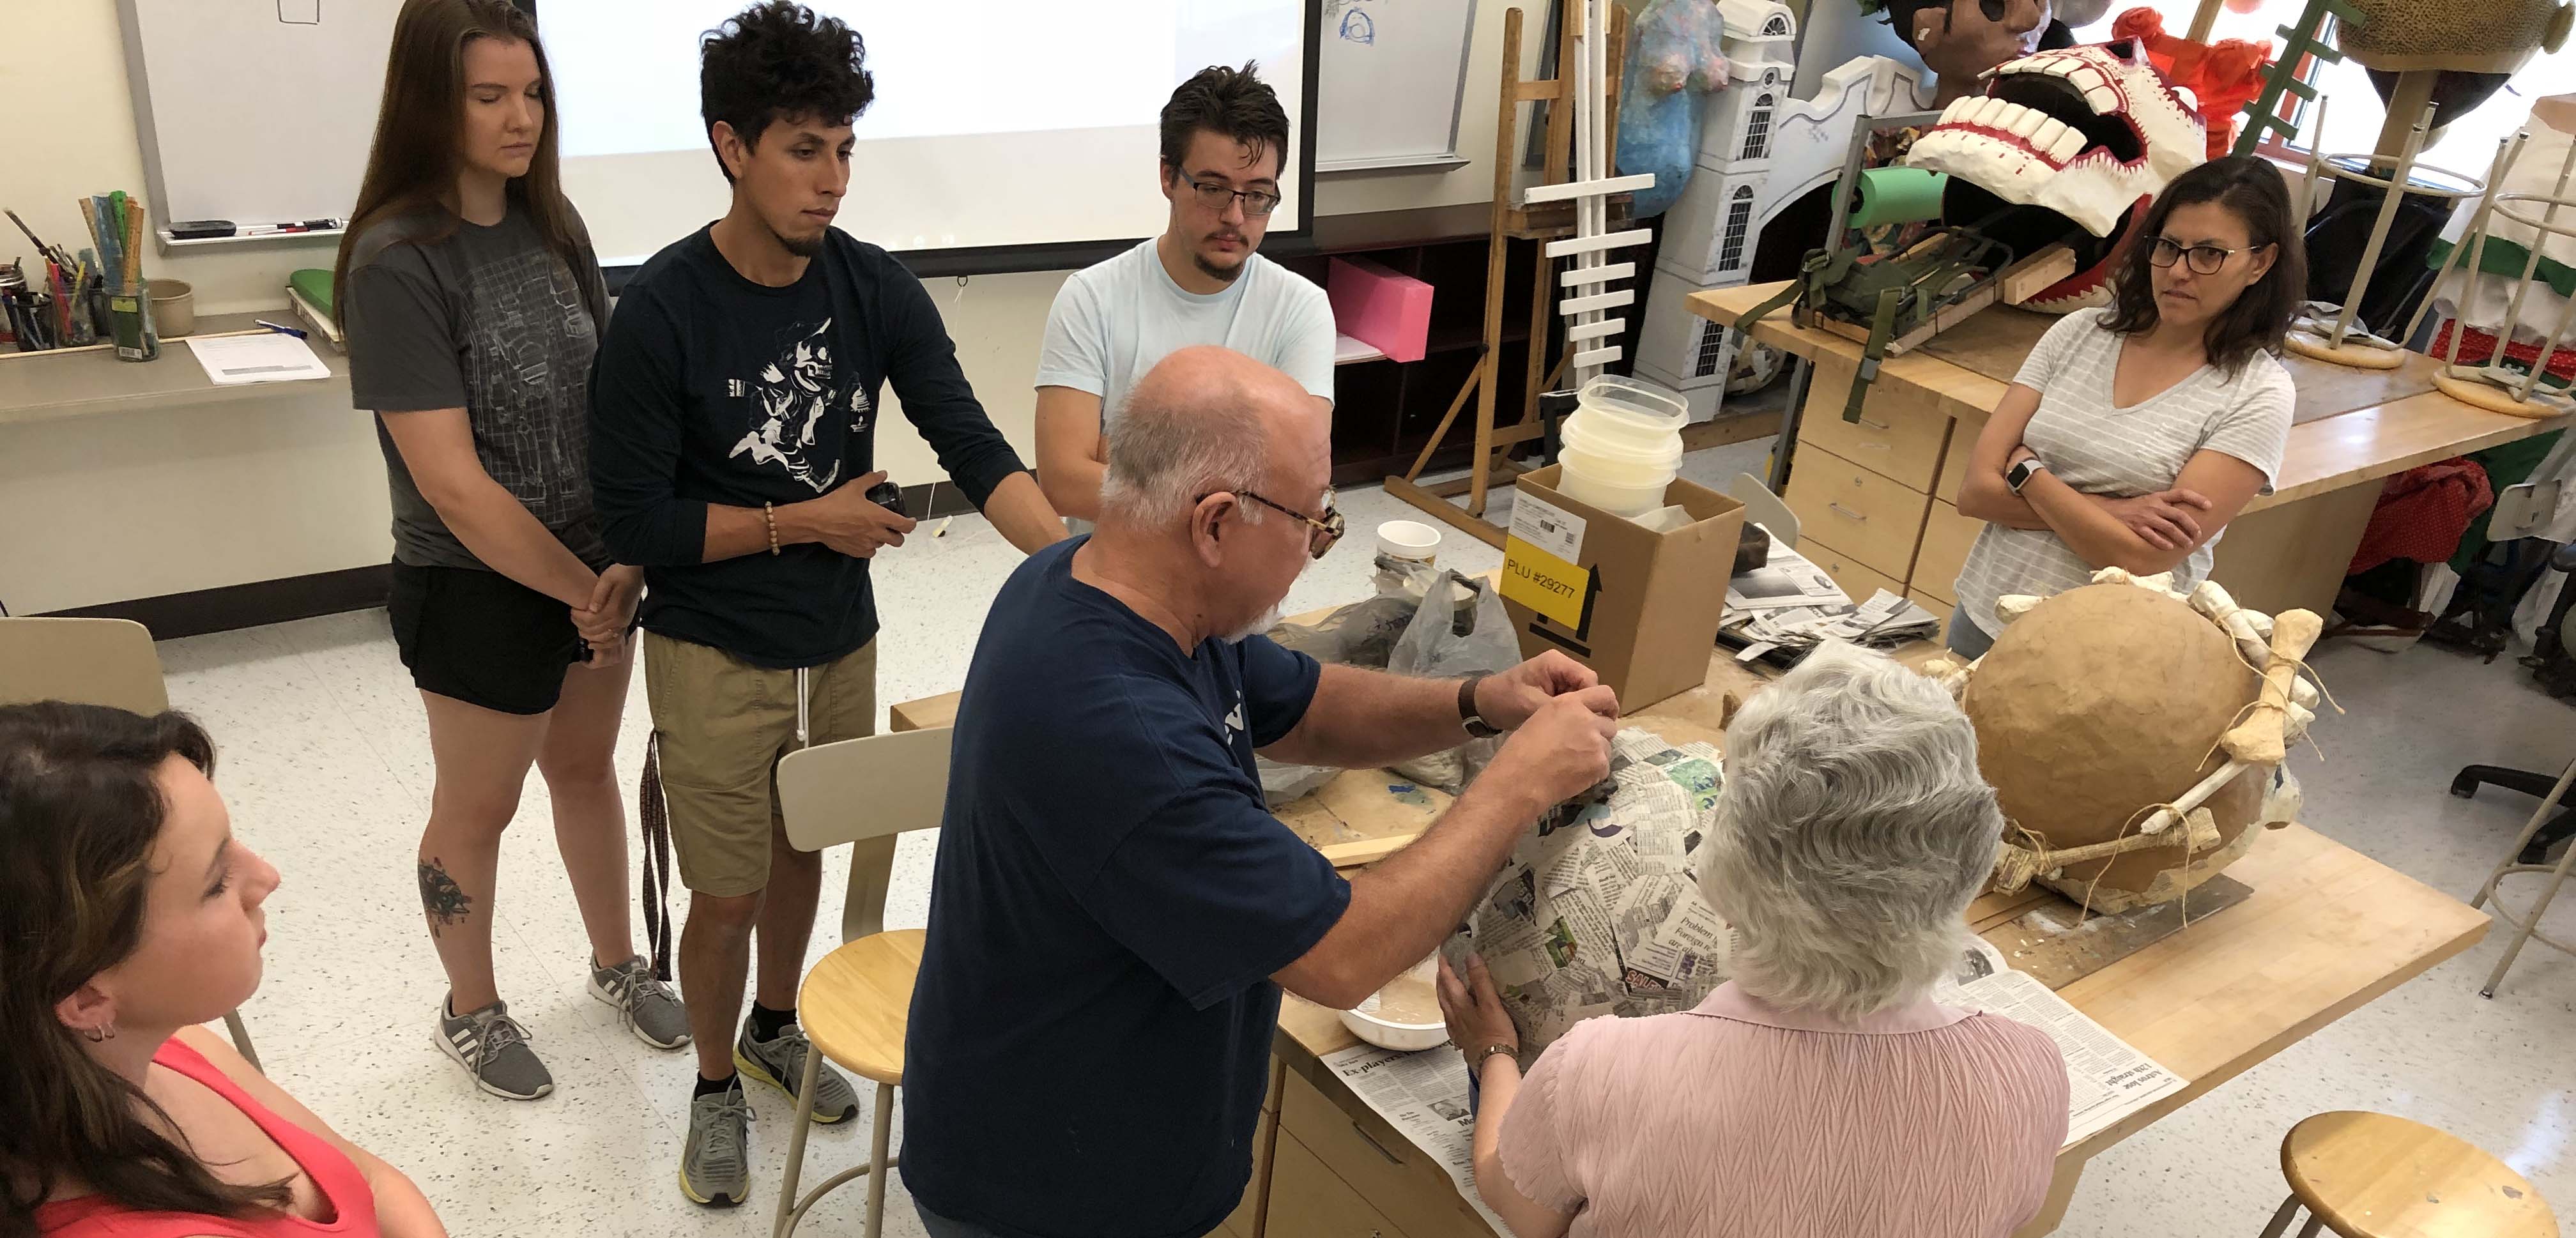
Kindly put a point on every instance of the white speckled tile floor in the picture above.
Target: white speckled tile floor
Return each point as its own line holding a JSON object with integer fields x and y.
{"x": 326, "y": 767}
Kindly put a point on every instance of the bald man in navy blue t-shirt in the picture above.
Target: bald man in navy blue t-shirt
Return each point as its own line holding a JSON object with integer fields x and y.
{"x": 1115, "y": 911}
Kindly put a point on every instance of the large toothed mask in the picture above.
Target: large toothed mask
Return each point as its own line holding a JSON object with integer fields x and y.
{"x": 2089, "y": 134}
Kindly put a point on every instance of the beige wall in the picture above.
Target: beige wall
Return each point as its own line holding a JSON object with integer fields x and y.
{"x": 120, "y": 506}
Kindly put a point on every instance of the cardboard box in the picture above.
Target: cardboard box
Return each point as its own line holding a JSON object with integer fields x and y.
{"x": 1378, "y": 307}
{"x": 1641, "y": 608}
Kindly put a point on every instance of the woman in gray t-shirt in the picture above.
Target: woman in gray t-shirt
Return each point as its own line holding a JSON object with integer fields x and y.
{"x": 473, "y": 306}
{"x": 2134, "y": 433}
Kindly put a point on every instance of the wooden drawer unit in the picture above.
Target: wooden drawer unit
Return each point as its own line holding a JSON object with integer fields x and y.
{"x": 1858, "y": 581}
{"x": 1896, "y": 437}
{"x": 1245, "y": 1220}
{"x": 1389, "y": 1173}
{"x": 1927, "y": 602}
{"x": 1947, "y": 537}
{"x": 1310, "y": 1201}
{"x": 1863, "y": 514}
{"x": 1954, "y": 464}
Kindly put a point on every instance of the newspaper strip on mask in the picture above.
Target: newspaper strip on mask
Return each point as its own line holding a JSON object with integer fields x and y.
{"x": 2107, "y": 1078}
{"x": 1423, "y": 1095}
{"x": 1599, "y": 911}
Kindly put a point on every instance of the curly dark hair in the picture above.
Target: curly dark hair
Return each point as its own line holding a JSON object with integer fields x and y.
{"x": 1233, "y": 102}
{"x": 776, "y": 61}
{"x": 2251, "y": 188}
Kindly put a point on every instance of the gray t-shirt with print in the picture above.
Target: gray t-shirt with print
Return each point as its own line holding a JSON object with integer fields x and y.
{"x": 490, "y": 320}
{"x": 2097, "y": 448}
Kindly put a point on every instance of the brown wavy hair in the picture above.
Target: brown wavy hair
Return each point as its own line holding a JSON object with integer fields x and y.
{"x": 80, "y": 807}
{"x": 2256, "y": 192}
{"x": 413, "y": 164}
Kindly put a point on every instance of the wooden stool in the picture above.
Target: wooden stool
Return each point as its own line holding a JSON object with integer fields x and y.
{"x": 2368, "y": 1175}
{"x": 853, "y": 1007}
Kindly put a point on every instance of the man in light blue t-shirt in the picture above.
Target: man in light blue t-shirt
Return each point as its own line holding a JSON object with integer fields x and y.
{"x": 1200, "y": 282}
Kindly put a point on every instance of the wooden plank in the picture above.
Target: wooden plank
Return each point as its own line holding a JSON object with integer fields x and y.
{"x": 1585, "y": 277}
{"x": 2059, "y": 945}
{"x": 1594, "y": 330}
{"x": 2295, "y": 555}
{"x": 1597, "y": 356}
{"x": 2372, "y": 443}
{"x": 2024, "y": 279}
{"x": 1594, "y": 244}
{"x": 1565, "y": 190}
{"x": 1722, "y": 430}
{"x": 1445, "y": 511}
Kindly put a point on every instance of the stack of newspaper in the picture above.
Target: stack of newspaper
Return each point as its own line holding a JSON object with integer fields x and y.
{"x": 1790, "y": 603}
{"x": 1424, "y": 1094}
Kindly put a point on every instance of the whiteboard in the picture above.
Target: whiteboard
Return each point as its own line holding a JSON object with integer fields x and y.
{"x": 1390, "y": 78}
{"x": 256, "y": 111}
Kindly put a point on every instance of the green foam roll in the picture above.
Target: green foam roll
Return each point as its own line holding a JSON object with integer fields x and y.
{"x": 1897, "y": 196}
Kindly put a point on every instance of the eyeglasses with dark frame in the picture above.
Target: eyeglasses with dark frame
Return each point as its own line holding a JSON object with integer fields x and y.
{"x": 2204, "y": 259}
{"x": 1321, "y": 535}
{"x": 1217, "y": 196}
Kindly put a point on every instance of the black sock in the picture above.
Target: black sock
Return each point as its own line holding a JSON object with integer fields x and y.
{"x": 710, "y": 1087}
{"x": 766, "y": 1023}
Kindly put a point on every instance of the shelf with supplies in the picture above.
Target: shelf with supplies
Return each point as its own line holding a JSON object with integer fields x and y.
{"x": 82, "y": 382}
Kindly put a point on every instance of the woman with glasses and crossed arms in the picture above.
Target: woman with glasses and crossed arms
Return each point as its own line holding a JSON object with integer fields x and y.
{"x": 2135, "y": 432}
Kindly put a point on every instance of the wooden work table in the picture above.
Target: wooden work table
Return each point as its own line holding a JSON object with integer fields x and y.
{"x": 1879, "y": 498}
{"x": 2325, "y": 930}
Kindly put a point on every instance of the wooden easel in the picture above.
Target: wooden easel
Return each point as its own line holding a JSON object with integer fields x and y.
{"x": 1538, "y": 222}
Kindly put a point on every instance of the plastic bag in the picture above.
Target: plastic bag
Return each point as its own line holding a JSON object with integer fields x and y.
{"x": 1361, "y": 634}
{"x": 1470, "y": 635}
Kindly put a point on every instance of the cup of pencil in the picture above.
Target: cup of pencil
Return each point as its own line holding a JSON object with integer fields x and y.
{"x": 117, "y": 226}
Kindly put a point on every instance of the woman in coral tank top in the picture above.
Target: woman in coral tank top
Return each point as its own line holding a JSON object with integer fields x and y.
{"x": 129, "y": 914}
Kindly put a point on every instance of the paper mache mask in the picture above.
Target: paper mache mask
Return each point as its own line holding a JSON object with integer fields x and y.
{"x": 2090, "y": 134}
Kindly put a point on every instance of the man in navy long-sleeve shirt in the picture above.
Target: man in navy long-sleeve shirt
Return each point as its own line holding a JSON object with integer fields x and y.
{"x": 733, "y": 410}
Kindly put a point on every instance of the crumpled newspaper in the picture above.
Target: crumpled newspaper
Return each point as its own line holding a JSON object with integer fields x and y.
{"x": 1599, "y": 910}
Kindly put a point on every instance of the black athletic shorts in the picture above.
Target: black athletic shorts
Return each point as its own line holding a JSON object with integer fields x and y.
{"x": 482, "y": 638}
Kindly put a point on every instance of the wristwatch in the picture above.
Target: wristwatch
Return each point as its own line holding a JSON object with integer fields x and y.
{"x": 2020, "y": 474}
{"x": 1475, "y": 722}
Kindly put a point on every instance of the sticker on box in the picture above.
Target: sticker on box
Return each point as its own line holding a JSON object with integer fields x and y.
{"x": 1545, "y": 525}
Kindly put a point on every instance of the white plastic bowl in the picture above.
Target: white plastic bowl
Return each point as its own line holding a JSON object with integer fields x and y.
{"x": 1401, "y": 1037}
{"x": 1409, "y": 539}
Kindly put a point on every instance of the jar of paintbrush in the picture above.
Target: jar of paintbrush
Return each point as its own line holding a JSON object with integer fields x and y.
{"x": 118, "y": 224}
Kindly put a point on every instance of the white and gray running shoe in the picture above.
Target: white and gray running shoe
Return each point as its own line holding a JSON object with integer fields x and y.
{"x": 646, "y": 1005}
{"x": 493, "y": 1048}
{"x": 715, "y": 1167}
{"x": 780, "y": 1063}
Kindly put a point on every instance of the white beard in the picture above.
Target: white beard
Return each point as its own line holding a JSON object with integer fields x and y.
{"x": 1269, "y": 619}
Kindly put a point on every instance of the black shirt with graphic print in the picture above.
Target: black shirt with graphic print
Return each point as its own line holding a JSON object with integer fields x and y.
{"x": 710, "y": 388}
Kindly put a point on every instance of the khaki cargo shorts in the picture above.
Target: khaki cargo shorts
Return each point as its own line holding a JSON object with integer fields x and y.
{"x": 723, "y": 724}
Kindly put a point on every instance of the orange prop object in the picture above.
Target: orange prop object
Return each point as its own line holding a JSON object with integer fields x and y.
{"x": 2224, "y": 75}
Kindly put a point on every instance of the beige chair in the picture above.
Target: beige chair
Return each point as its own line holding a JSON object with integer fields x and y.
{"x": 2369, "y": 1175}
{"x": 90, "y": 662}
{"x": 855, "y": 1002}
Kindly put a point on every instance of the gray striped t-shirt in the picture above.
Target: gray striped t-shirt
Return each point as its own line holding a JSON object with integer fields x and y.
{"x": 2120, "y": 452}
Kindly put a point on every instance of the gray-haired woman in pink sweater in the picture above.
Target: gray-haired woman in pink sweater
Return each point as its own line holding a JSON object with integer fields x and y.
{"x": 1822, "y": 1092}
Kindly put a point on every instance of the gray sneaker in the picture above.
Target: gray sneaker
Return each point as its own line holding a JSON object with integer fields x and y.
{"x": 780, "y": 1063}
{"x": 493, "y": 1048}
{"x": 646, "y": 1005}
{"x": 714, "y": 1167}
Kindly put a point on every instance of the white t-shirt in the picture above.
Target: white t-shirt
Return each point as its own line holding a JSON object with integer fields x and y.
{"x": 1114, "y": 320}
{"x": 2097, "y": 448}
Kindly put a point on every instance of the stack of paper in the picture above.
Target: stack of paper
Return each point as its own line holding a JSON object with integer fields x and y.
{"x": 1790, "y": 603}
{"x": 256, "y": 357}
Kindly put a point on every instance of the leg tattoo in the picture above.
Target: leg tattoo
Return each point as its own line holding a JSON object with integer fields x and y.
{"x": 441, "y": 897}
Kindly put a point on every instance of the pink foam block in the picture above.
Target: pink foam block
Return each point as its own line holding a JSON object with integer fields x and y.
{"x": 1380, "y": 308}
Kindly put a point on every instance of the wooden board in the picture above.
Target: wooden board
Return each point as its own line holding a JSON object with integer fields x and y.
{"x": 2056, "y": 942}
{"x": 2373, "y": 443}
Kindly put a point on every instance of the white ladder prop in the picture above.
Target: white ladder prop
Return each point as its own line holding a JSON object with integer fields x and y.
{"x": 1585, "y": 295}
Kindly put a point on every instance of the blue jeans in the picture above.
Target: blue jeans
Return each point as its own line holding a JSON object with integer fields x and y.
{"x": 1967, "y": 639}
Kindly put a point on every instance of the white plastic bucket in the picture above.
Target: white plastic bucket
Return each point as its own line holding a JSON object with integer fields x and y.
{"x": 1625, "y": 410}
{"x": 1409, "y": 540}
{"x": 1622, "y": 446}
